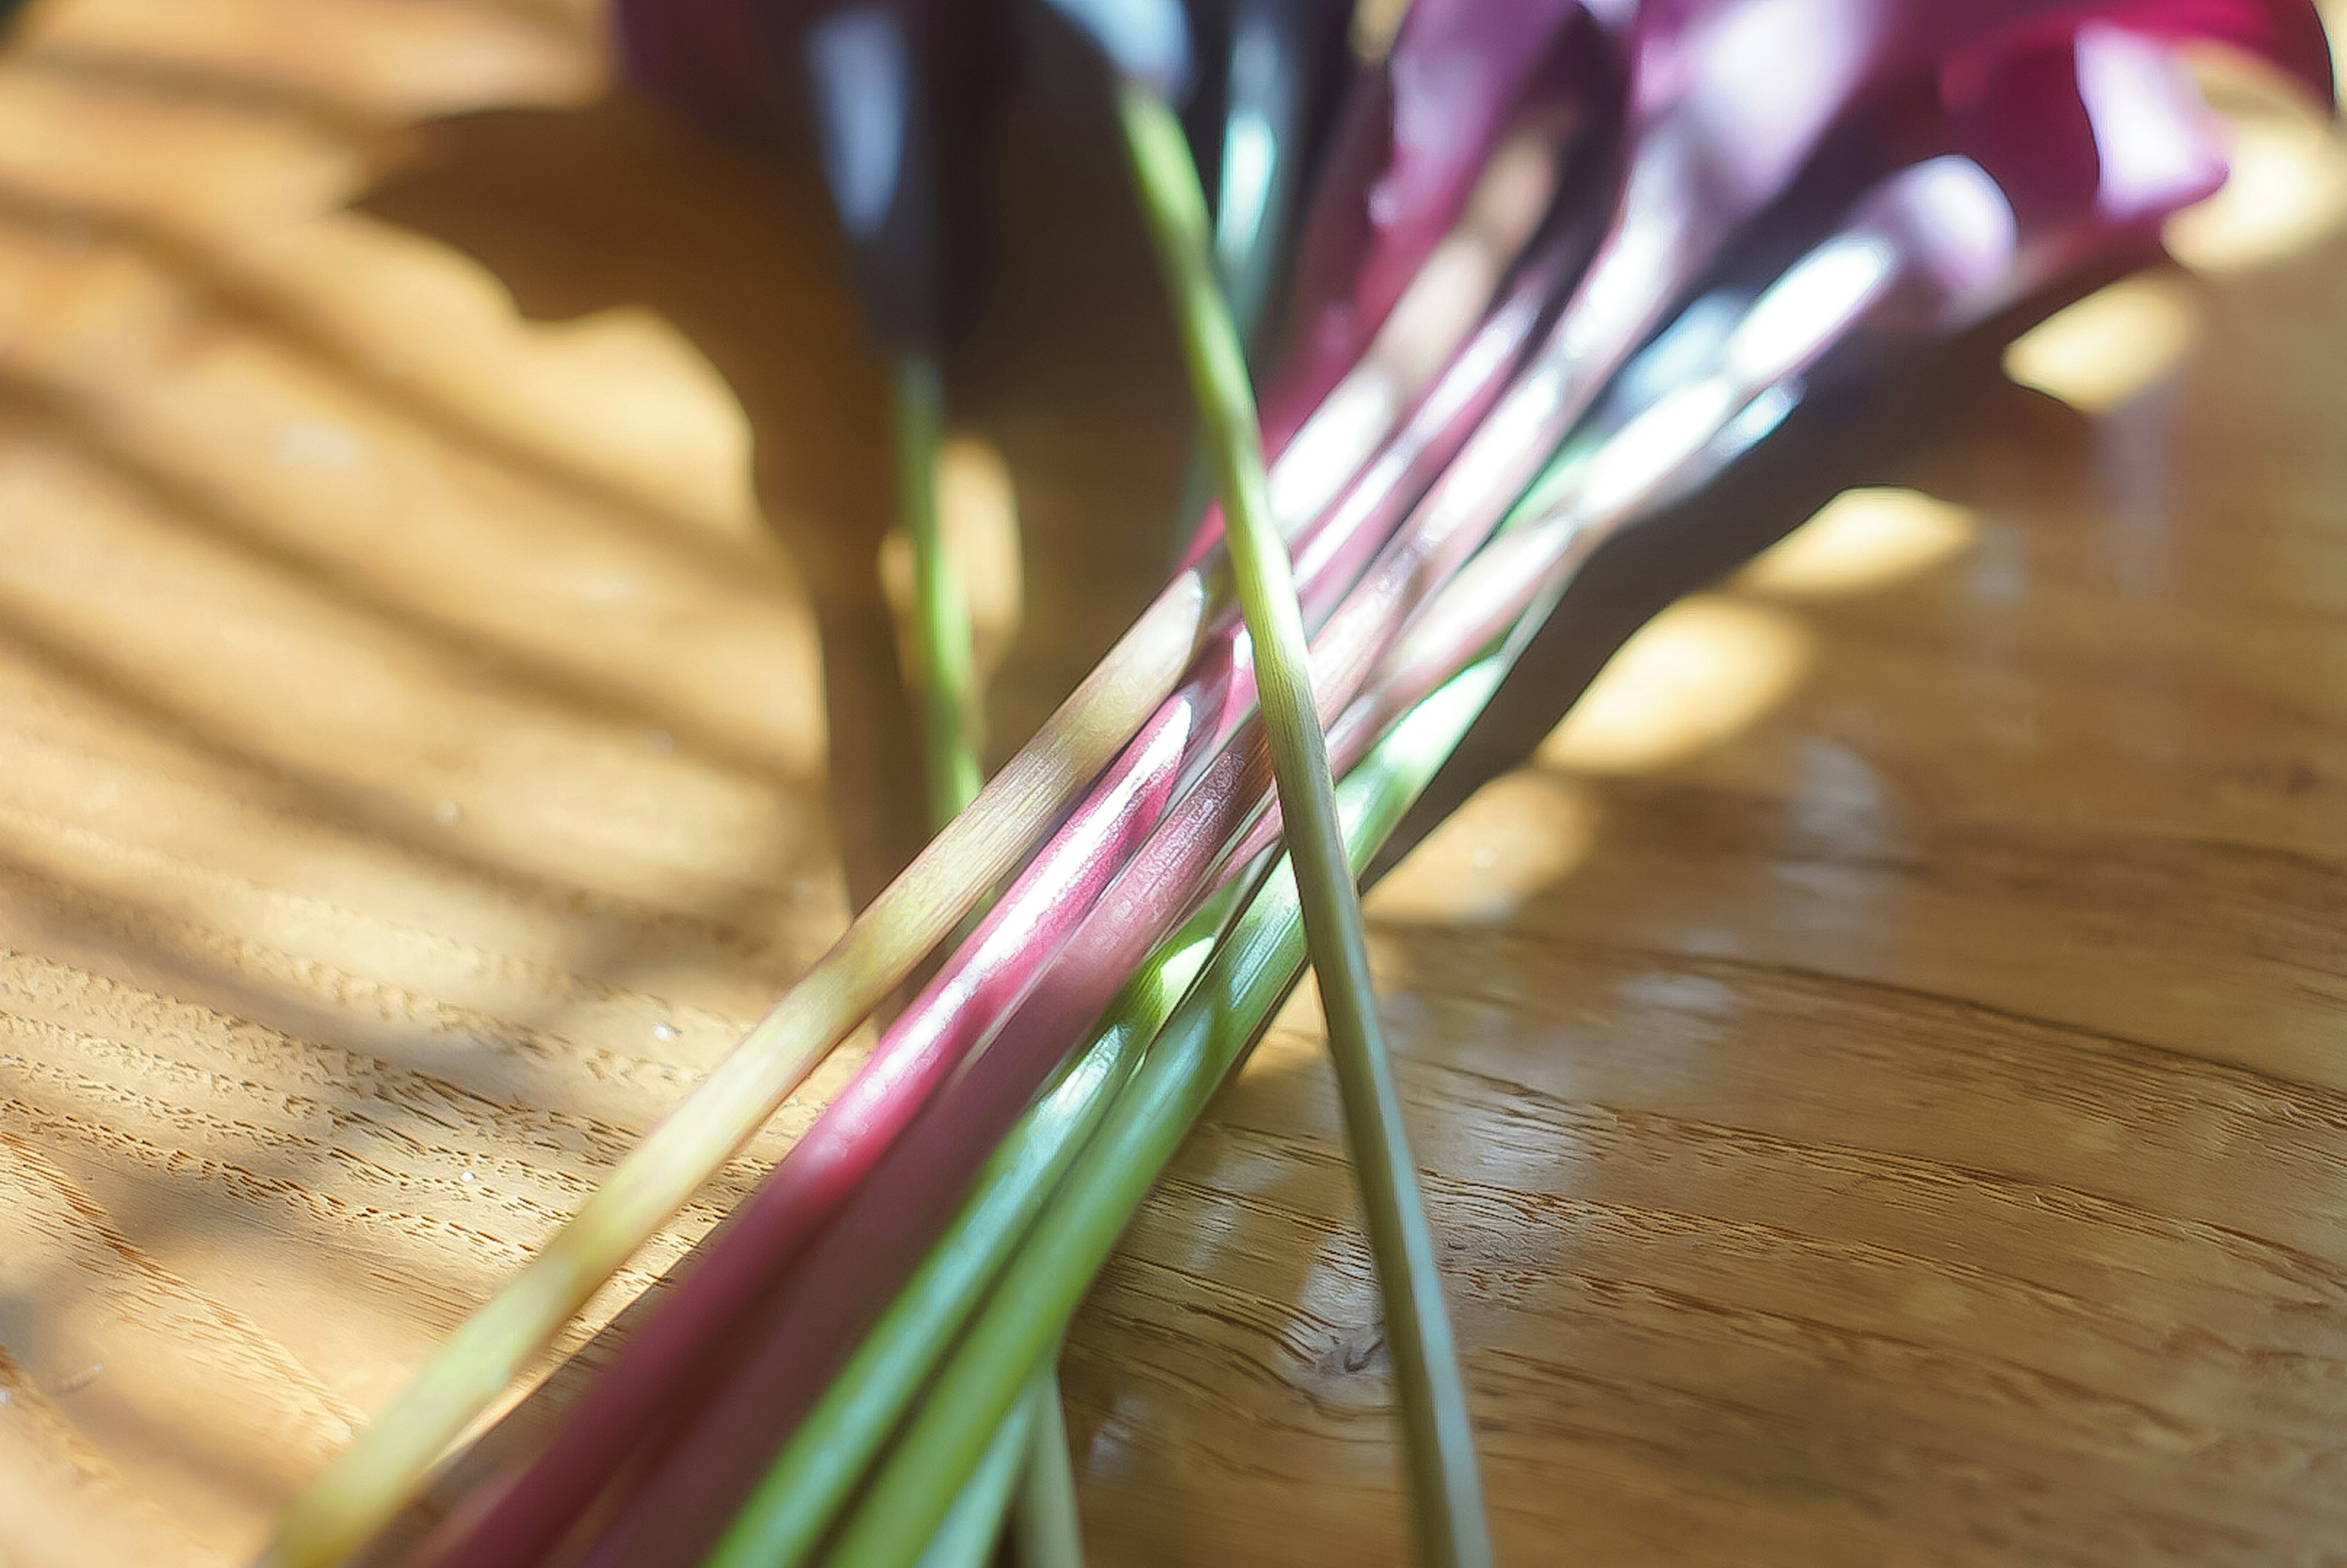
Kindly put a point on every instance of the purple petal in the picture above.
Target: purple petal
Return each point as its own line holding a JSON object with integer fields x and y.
{"x": 1405, "y": 156}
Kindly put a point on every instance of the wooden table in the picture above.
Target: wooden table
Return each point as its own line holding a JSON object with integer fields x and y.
{"x": 1878, "y": 1065}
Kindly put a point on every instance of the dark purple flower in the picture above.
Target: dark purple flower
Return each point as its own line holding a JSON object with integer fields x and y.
{"x": 895, "y": 94}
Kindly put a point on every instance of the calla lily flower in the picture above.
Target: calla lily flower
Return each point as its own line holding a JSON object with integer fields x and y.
{"x": 2097, "y": 140}
{"x": 1728, "y": 102}
{"x": 2060, "y": 155}
{"x": 1730, "y": 98}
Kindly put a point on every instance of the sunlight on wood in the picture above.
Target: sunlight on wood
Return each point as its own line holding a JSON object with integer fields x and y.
{"x": 1696, "y": 674}
{"x": 407, "y": 708}
{"x": 981, "y": 515}
{"x": 620, "y": 395}
{"x": 1520, "y": 834}
{"x": 2287, "y": 191}
{"x": 135, "y": 1331}
{"x": 2288, "y": 194}
{"x": 1859, "y": 541}
{"x": 62, "y": 1504}
{"x": 406, "y": 60}
{"x": 2111, "y": 347}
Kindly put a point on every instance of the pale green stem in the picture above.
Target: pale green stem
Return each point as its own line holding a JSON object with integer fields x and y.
{"x": 974, "y": 1523}
{"x": 944, "y": 674}
{"x": 1445, "y": 1486}
{"x": 1045, "y": 1532}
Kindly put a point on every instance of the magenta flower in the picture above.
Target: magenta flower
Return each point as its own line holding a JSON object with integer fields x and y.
{"x": 1417, "y": 134}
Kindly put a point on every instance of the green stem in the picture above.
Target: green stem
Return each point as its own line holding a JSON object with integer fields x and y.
{"x": 1448, "y": 1513}
{"x": 1044, "y": 1503}
{"x": 967, "y": 1537}
{"x": 786, "y": 1516}
{"x": 1252, "y": 972}
{"x": 944, "y": 667}
{"x": 1044, "y": 1530}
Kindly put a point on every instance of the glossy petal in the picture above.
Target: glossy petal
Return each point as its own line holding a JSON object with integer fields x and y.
{"x": 1406, "y": 154}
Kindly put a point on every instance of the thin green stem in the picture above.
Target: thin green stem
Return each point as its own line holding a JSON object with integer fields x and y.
{"x": 974, "y": 1523}
{"x": 1044, "y": 1502}
{"x": 1044, "y": 1530}
{"x": 1447, "y": 1492}
{"x": 944, "y": 668}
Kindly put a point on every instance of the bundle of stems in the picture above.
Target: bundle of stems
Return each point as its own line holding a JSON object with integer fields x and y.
{"x": 850, "y": 1273}
{"x": 859, "y": 1363}
{"x": 1068, "y": 884}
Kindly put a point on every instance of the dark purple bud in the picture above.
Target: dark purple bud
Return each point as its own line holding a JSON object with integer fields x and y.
{"x": 896, "y": 94}
{"x": 1271, "y": 77}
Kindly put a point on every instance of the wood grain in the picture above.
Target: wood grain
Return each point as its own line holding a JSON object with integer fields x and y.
{"x": 1877, "y": 1067}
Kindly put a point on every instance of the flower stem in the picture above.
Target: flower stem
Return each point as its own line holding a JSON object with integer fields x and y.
{"x": 974, "y": 1523}
{"x": 1448, "y": 1513}
{"x": 786, "y": 1517}
{"x": 1251, "y": 970}
{"x": 1032, "y": 1448}
{"x": 941, "y": 639}
{"x": 1044, "y": 1530}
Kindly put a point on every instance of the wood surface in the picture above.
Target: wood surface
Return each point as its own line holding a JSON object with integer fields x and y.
{"x": 1877, "y": 1065}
